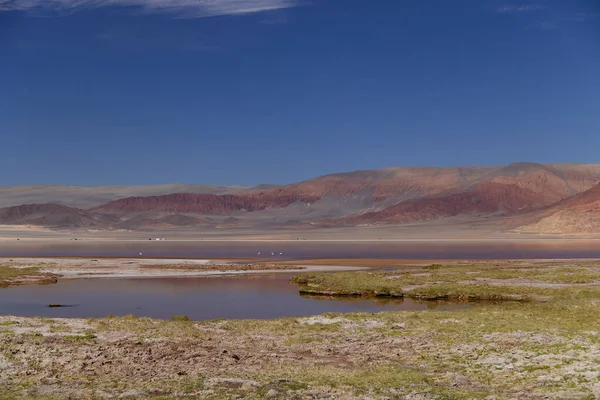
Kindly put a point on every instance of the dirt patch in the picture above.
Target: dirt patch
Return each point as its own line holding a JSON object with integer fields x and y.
{"x": 356, "y": 356}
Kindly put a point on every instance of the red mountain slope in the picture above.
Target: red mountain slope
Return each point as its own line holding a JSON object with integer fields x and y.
{"x": 588, "y": 201}
{"x": 203, "y": 203}
{"x": 374, "y": 186}
{"x": 554, "y": 182}
{"x": 577, "y": 214}
{"x": 391, "y": 195}
{"x": 389, "y": 183}
{"x": 483, "y": 198}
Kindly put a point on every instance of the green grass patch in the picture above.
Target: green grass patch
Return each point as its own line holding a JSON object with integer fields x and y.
{"x": 349, "y": 283}
{"x": 522, "y": 282}
{"x": 10, "y": 272}
{"x": 10, "y": 275}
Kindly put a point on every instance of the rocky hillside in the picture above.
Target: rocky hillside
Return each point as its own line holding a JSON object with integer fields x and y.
{"x": 576, "y": 214}
{"x": 388, "y": 196}
{"x": 483, "y": 198}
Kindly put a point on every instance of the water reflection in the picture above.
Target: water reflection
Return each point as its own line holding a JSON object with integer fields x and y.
{"x": 265, "y": 296}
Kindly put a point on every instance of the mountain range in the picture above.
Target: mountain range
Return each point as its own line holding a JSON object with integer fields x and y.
{"x": 528, "y": 197}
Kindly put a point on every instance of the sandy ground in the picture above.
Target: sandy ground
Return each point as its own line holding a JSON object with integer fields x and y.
{"x": 77, "y": 268}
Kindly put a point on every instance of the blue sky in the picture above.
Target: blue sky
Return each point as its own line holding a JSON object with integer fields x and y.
{"x": 97, "y": 92}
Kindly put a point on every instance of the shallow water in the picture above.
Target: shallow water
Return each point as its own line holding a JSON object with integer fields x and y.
{"x": 251, "y": 297}
{"x": 298, "y": 250}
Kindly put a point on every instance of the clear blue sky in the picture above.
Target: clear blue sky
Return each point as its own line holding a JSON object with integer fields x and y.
{"x": 243, "y": 92}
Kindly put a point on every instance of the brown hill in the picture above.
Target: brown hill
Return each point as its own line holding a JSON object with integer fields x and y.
{"x": 90, "y": 196}
{"x": 337, "y": 194}
{"x": 588, "y": 201}
{"x": 380, "y": 185}
{"x": 203, "y": 203}
{"x": 554, "y": 182}
{"x": 577, "y": 214}
{"x": 391, "y": 195}
{"x": 484, "y": 198}
{"x": 52, "y": 215}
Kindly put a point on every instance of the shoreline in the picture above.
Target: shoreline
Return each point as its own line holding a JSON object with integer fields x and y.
{"x": 261, "y": 239}
{"x": 108, "y": 267}
{"x": 294, "y": 251}
{"x": 115, "y": 268}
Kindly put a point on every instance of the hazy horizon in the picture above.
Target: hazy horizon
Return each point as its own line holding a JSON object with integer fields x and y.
{"x": 291, "y": 182}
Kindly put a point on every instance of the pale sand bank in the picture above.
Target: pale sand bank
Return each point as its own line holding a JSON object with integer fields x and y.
{"x": 78, "y": 268}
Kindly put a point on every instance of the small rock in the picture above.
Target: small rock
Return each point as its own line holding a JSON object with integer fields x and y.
{"x": 272, "y": 393}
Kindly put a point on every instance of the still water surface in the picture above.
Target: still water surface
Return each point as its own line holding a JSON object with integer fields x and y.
{"x": 253, "y": 297}
{"x": 299, "y": 250}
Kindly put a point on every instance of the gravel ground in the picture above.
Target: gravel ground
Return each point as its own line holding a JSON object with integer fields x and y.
{"x": 355, "y": 356}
